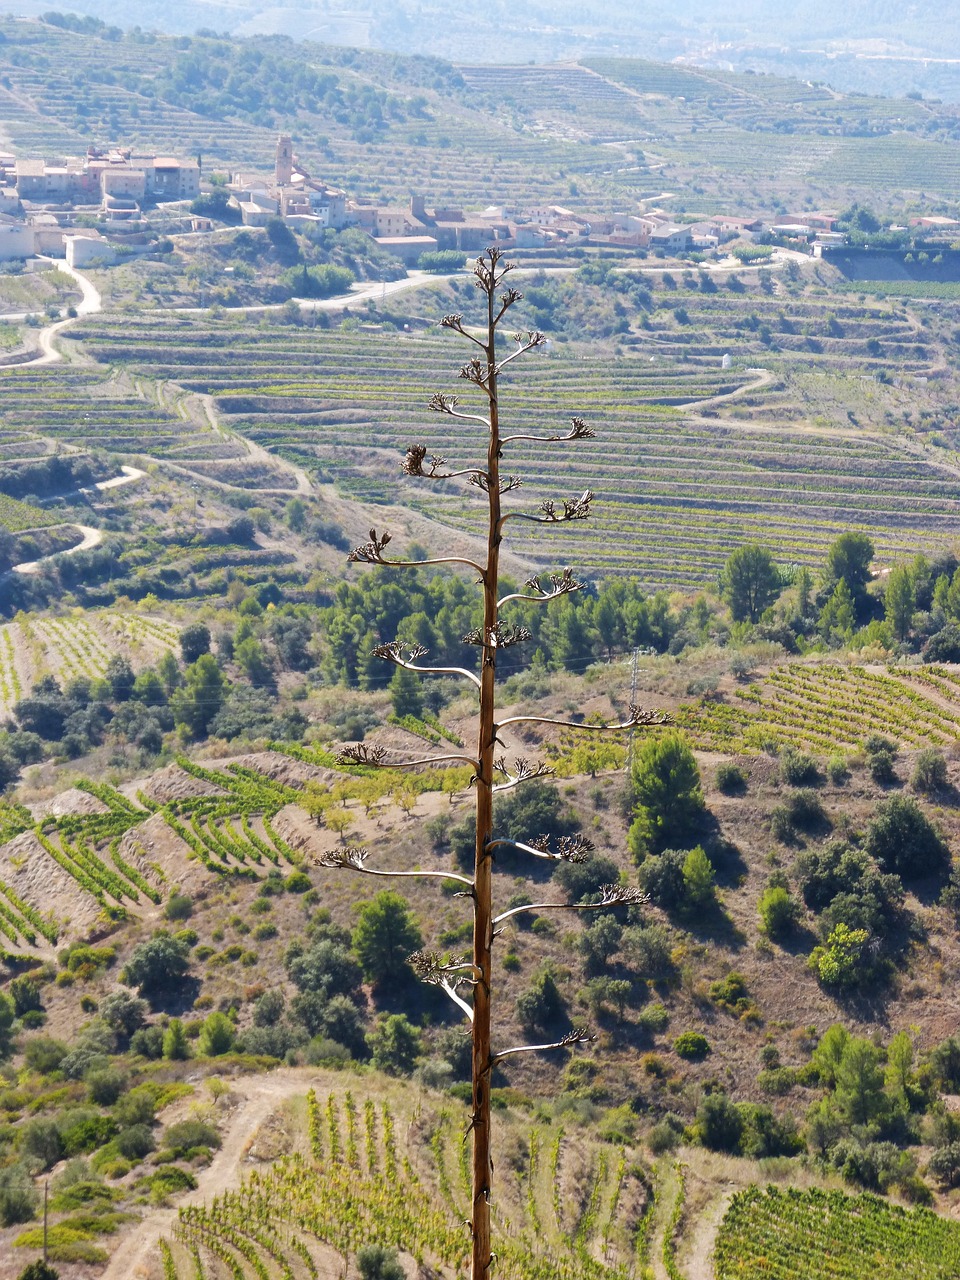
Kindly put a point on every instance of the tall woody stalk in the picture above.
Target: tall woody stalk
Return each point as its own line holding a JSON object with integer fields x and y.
{"x": 492, "y": 773}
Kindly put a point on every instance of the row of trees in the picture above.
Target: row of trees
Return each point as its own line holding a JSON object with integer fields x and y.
{"x": 913, "y": 605}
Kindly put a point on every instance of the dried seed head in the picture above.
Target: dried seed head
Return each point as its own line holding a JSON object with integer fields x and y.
{"x": 352, "y": 858}
{"x": 360, "y": 753}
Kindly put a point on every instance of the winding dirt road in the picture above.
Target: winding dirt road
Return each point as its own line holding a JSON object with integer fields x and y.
{"x": 262, "y": 1096}
{"x": 90, "y": 303}
{"x": 91, "y": 538}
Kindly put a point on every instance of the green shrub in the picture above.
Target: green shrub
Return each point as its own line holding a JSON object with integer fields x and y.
{"x": 179, "y": 907}
{"x": 664, "y": 1136}
{"x": 217, "y": 1036}
{"x": 839, "y": 961}
{"x": 653, "y": 1019}
{"x": 720, "y": 1123}
{"x": 106, "y": 1086}
{"x": 541, "y": 1005}
{"x": 779, "y": 912}
{"x": 691, "y": 1045}
{"x": 134, "y": 1143}
{"x": 929, "y": 772}
{"x": 698, "y": 881}
{"x": 665, "y": 794}
{"x": 880, "y": 767}
{"x": 798, "y": 769}
{"x": 189, "y": 1135}
{"x": 837, "y": 770}
{"x": 904, "y": 840}
{"x": 379, "y": 1262}
{"x": 730, "y": 779}
{"x": 297, "y": 882}
{"x": 19, "y": 1199}
{"x": 395, "y": 1044}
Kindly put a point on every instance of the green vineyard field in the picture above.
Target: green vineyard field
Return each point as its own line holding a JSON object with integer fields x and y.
{"x": 824, "y": 706}
{"x": 817, "y": 1235}
{"x": 679, "y": 495}
{"x": 360, "y": 1183}
{"x": 74, "y": 645}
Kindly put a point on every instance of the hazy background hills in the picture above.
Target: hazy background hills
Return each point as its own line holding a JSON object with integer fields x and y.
{"x": 872, "y": 46}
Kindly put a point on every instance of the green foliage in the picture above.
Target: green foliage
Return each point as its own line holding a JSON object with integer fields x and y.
{"x": 779, "y": 913}
{"x": 176, "y": 1045}
{"x": 784, "y": 1234}
{"x": 899, "y": 600}
{"x": 929, "y": 772}
{"x": 719, "y": 1123}
{"x": 188, "y": 1135}
{"x": 19, "y": 1198}
{"x": 730, "y": 779}
{"x": 384, "y": 936}
{"x": 406, "y": 693}
{"x": 750, "y": 582}
{"x": 394, "y": 1044}
{"x": 194, "y": 641}
{"x": 692, "y": 1045}
{"x": 848, "y": 561}
{"x": 798, "y": 769}
{"x": 39, "y": 1270}
{"x": 903, "y": 839}
{"x": 665, "y": 794}
{"x": 197, "y": 701}
{"x": 839, "y": 962}
{"x": 698, "y": 880}
{"x": 540, "y": 1007}
{"x": 157, "y": 965}
{"x": 179, "y": 907}
{"x": 324, "y": 281}
{"x": 217, "y": 1036}
{"x": 661, "y": 876}
{"x": 442, "y": 260}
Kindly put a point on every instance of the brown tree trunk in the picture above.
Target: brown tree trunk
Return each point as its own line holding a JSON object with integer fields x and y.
{"x": 483, "y": 886}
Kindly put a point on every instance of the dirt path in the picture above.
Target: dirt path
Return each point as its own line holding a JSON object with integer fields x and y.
{"x": 262, "y": 1094}
{"x": 91, "y": 538}
{"x": 127, "y": 476}
{"x": 90, "y": 303}
{"x": 368, "y": 291}
{"x": 696, "y": 1261}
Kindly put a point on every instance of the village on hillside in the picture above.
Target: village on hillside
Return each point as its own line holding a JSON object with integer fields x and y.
{"x": 111, "y": 204}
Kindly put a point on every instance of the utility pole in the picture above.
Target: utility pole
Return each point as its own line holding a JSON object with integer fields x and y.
{"x": 46, "y": 1191}
{"x": 634, "y": 677}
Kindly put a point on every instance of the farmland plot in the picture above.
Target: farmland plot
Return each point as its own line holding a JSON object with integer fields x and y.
{"x": 358, "y": 1181}
{"x": 789, "y": 1234}
{"x": 679, "y": 492}
{"x": 825, "y": 706}
{"x": 70, "y": 646}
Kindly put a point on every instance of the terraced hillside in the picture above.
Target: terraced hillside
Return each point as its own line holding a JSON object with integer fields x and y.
{"x": 678, "y": 493}
{"x": 790, "y": 1235}
{"x": 593, "y": 136}
{"x": 78, "y": 408}
{"x": 566, "y": 1207}
{"x": 110, "y": 854}
{"x": 826, "y": 706}
{"x": 36, "y": 645}
{"x": 570, "y": 1210}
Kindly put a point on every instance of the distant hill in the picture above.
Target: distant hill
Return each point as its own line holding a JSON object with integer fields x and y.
{"x": 866, "y": 45}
